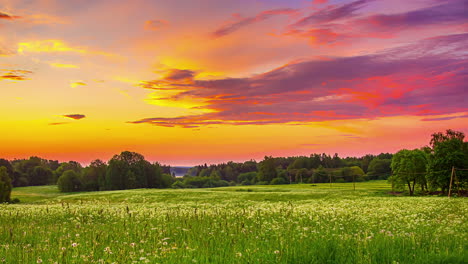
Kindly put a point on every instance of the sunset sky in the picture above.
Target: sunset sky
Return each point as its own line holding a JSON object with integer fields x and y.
{"x": 185, "y": 82}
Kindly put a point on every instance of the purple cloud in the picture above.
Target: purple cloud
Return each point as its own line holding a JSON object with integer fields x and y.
{"x": 332, "y": 13}
{"x": 232, "y": 27}
{"x": 407, "y": 80}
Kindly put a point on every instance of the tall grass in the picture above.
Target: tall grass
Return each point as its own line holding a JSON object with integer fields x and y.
{"x": 279, "y": 224}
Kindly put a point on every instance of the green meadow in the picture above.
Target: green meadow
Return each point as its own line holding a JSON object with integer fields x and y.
{"x": 300, "y": 223}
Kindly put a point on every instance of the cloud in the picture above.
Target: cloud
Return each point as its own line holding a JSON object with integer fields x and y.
{"x": 156, "y": 24}
{"x": 7, "y": 16}
{"x": 322, "y": 29}
{"x": 75, "y": 116}
{"x": 236, "y": 25}
{"x": 56, "y": 46}
{"x": 448, "y": 13}
{"x": 63, "y": 65}
{"x": 444, "y": 118}
{"x": 332, "y": 13}
{"x": 58, "y": 123}
{"x": 318, "y": 2}
{"x": 15, "y": 75}
{"x": 75, "y": 84}
{"x": 425, "y": 78}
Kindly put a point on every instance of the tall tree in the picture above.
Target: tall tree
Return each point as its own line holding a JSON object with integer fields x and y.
{"x": 409, "y": 168}
{"x": 448, "y": 150}
{"x": 5, "y": 185}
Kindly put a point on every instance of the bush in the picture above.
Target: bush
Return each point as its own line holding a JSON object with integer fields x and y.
{"x": 15, "y": 201}
{"x": 277, "y": 181}
{"x": 262, "y": 183}
{"x": 166, "y": 180}
{"x": 69, "y": 182}
{"x": 178, "y": 185}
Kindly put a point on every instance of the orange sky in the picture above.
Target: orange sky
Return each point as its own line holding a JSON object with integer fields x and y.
{"x": 188, "y": 82}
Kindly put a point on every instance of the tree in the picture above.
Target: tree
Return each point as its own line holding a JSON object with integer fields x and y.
{"x": 5, "y": 185}
{"x": 267, "y": 170}
{"x": 409, "y": 168}
{"x": 69, "y": 181}
{"x": 379, "y": 169}
{"x": 448, "y": 150}
{"x": 40, "y": 176}
{"x": 319, "y": 175}
{"x": 94, "y": 176}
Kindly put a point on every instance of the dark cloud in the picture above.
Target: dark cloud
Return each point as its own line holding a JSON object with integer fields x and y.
{"x": 75, "y": 116}
{"x": 420, "y": 79}
{"x": 7, "y": 16}
{"x": 234, "y": 26}
{"x": 177, "y": 75}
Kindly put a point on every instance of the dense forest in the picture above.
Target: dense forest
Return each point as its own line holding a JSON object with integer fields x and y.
{"x": 428, "y": 168}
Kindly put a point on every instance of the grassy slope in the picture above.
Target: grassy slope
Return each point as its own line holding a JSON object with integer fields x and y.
{"x": 293, "y": 192}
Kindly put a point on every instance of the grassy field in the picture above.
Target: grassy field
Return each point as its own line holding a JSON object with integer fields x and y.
{"x": 245, "y": 224}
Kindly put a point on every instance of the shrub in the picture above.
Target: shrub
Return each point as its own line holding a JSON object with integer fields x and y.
{"x": 277, "y": 181}
{"x": 69, "y": 182}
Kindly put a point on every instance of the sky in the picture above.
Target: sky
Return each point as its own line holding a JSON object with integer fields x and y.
{"x": 185, "y": 82}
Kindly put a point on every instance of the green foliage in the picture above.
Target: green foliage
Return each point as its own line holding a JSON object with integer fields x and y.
{"x": 278, "y": 181}
{"x": 448, "y": 150}
{"x": 69, "y": 182}
{"x": 379, "y": 169}
{"x": 267, "y": 170}
{"x": 40, "y": 176}
{"x": 5, "y": 185}
{"x": 319, "y": 175}
{"x": 409, "y": 168}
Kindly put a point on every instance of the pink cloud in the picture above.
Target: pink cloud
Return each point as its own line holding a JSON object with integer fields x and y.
{"x": 368, "y": 86}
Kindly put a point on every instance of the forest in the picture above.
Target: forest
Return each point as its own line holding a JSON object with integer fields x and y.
{"x": 438, "y": 167}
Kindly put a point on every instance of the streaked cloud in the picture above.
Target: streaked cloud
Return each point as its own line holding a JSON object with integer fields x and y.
{"x": 74, "y": 84}
{"x": 7, "y": 16}
{"x": 75, "y": 116}
{"x": 56, "y": 46}
{"x": 63, "y": 65}
{"x": 15, "y": 75}
{"x": 239, "y": 23}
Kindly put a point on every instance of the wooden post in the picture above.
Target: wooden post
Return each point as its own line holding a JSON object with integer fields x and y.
{"x": 451, "y": 181}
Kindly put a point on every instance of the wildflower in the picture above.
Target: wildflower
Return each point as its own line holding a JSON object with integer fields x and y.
{"x": 132, "y": 244}
{"x": 276, "y": 251}
{"x": 39, "y": 260}
{"x": 74, "y": 244}
{"x": 238, "y": 254}
{"x": 63, "y": 248}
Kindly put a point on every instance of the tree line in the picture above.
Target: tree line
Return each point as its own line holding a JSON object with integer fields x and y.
{"x": 427, "y": 168}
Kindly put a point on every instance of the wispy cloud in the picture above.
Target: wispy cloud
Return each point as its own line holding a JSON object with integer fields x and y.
{"x": 56, "y": 46}
{"x": 63, "y": 65}
{"x": 231, "y": 27}
{"x": 156, "y": 25}
{"x": 74, "y": 84}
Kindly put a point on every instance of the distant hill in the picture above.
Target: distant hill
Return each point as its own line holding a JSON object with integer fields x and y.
{"x": 179, "y": 171}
